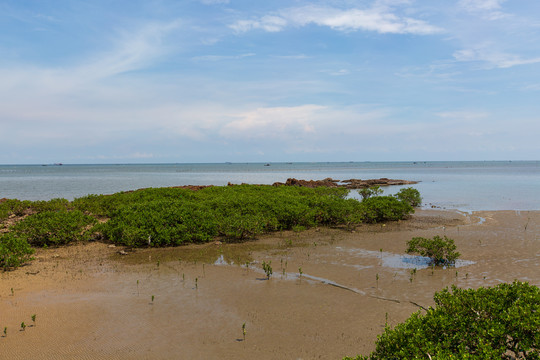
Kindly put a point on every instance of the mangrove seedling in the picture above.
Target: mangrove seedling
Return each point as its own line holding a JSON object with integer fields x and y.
{"x": 153, "y": 299}
{"x": 267, "y": 268}
{"x": 34, "y": 319}
{"x": 377, "y": 279}
{"x": 244, "y": 331}
{"x": 12, "y": 292}
{"x": 300, "y": 271}
{"x": 23, "y": 326}
{"x": 196, "y": 283}
{"x": 5, "y": 331}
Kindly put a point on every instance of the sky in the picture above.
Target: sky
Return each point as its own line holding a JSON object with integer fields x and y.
{"x": 182, "y": 81}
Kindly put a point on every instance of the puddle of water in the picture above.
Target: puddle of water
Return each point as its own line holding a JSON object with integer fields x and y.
{"x": 399, "y": 261}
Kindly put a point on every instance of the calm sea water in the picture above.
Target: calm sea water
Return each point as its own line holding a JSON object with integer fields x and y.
{"x": 465, "y": 186}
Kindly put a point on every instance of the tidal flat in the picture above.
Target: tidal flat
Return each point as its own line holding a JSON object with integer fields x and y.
{"x": 331, "y": 292}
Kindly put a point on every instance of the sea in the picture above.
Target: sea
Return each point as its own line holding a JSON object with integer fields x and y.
{"x": 461, "y": 185}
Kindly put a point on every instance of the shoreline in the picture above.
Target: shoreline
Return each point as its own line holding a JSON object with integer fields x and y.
{"x": 92, "y": 302}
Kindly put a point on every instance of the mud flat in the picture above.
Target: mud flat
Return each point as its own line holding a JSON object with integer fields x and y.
{"x": 93, "y": 303}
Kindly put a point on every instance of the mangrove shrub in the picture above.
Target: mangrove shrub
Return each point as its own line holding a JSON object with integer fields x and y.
{"x": 54, "y": 227}
{"x": 441, "y": 251}
{"x": 14, "y": 251}
{"x": 500, "y": 322}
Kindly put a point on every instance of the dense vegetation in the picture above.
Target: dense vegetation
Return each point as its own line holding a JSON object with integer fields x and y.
{"x": 501, "y": 322}
{"x": 14, "y": 251}
{"x": 441, "y": 251}
{"x": 174, "y": 216}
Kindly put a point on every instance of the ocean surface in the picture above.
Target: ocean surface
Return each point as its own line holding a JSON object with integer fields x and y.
{"x": 466, "y": 186}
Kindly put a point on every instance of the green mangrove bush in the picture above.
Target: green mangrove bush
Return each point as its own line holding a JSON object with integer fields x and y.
{"x": 410, "y": 195}
{"x": 54, "y": 227}
{"x": 14, "y": 251}
{"x": 384, "y": 208}
{"x": 500, "y": 322}
{"x": 441, "y": 251}
{"x": 174, "y": 216}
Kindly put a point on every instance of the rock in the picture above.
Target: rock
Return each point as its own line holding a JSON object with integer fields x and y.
{"x": 349, "y": 184}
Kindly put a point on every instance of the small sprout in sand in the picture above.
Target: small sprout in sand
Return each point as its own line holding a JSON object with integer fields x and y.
{"x": 386, "y": 320}
{"x": 183, "y": 277}
{"x": 5, "y": 330}
{"x": 267, "y": 268}
{"x": 34, "y": 319}
{"x": 12, "y": 292}
{"x": 137, "y": 287}
{"x": 158, "y": 263}
{"x": 153, "y": 299}
{"x": 203, "y": 272}
{"x": 196, "y": 283}
{"x": 23, "y": 326}
{"x": 244, "y": 331}
{"x": 377, "y": 279}
{"x": 283, "y": 272}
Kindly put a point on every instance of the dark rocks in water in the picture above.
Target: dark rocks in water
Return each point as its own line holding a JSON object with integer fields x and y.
{"x": 349, "y": 184}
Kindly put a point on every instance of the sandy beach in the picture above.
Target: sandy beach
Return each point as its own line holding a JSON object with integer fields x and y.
{"x": 191, "y": 302}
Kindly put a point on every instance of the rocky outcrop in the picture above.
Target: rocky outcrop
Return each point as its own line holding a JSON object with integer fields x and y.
{"x": 349, "y": 184}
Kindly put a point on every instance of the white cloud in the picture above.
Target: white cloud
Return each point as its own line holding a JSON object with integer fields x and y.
{"x": 489, "y": 9}
{"x": 481, "y": 4}
{"x": 135, "y": 50}
{"x": 493, "y": 58}
{"x": 273, "y": 122}
{"x": 221, "y": 57}
{"x": 378, "y": 19}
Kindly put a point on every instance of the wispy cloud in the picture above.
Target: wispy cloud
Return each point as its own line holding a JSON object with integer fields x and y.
{"x": 379, "y": 19}
{"x": 489, "y": 9}
{"x": 221, "y": 57}
{"x": 492, "y": 58}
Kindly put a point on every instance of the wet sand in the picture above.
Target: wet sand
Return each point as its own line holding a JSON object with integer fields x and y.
{"x": 92, "y": 303}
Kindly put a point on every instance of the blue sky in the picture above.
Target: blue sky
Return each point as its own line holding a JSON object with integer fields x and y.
{"x": 249, "y": 80}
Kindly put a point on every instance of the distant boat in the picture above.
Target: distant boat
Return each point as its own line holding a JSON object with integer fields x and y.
{"x": 58, "y": 164}
{"x": 266, "y": 164}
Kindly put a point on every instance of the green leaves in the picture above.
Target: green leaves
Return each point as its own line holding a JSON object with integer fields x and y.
{"x": 501, "y": 322}
{"x": 174, "y": 216}
{"x": 410, "y": 195}
{"x": 267, "y": 268}
{"x": 14, "y": 251}
{"x": 384, "y": 208}
{"x": 441, "y": 251}
{"x": 54, "y": 227}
